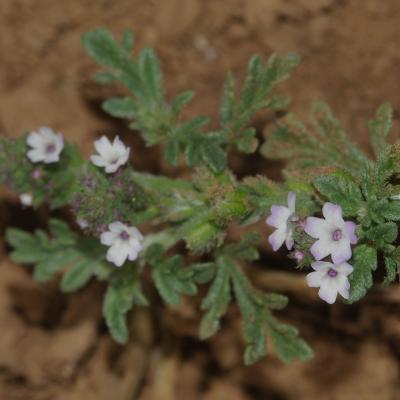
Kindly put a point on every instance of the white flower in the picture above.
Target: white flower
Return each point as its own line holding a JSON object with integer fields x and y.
{"x": 26, "y": 199}
{"x": 333, "y": 233}
{"x": 331, "y": 280}
{"x": 46, "y": 145}
{"x": 111, "y": 155}
{"x": 83, "y": 224}
{"x": 281, "y": 218}
{"x": 125, "y": 243}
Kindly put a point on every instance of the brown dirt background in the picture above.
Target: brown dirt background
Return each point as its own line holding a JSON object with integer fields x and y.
{"x": 55, "y": 347}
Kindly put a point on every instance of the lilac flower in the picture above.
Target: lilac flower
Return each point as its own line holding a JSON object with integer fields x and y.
{"x": 333, "y": 233}
{"x": 46, "y": 146}
{"x": 110, "y": 156}
{"x": 331, "y": 280}
{"x": 83, "y": 224}
{"x": 281, "y": 218}
{"x": 124, "y": 241}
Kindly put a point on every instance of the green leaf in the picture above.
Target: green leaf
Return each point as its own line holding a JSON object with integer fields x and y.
{"x": 364, "y": 262}
{"x": 392, "y": 270}
{"x": 172, "y": 278}
{"x": 383, "y": 233}
{"x": 17, "y": 237}
{"x": 79, "y": 275}
{"x": 246, "y": 249}
{"x": 180, "y": 101}
{"x": 123, "y": 107}
{"x": 391, "y": 211}
{"x": 100, "y": 45}
{"x": 214, "y": 156}
{"x": 47, "y": 267}
{"x": 169, "y": 286}
{"x": 217, "y": 300}
{"x": 253, "y": 311}
{"x": 288, "y": 345}
{"x": 228, "y": 101}
{"x": 122, "y": 293}
{"x": 105, "y": 77}
{"x": 246, "y": 142}
{"x": 56, "y": 252}
{"x": 127, "y": 41}
{"x": 149, "y": 69}
{"x": 379, "y": 128}
{"x": 275, "y": 301}
{"x": 203, "y": 272}
{"x": 172, "y": 151}
{"x": 340, "y": 190}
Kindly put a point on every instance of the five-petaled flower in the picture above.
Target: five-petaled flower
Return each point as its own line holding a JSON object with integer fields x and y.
{"x": 331, "y": 279}
{"x": 110, "y": 156}
{"x": 125, "y": 243}
{"x": 46, "y": 146}
{"x": 281, "y": 218}
{"x": 335, "y": 236}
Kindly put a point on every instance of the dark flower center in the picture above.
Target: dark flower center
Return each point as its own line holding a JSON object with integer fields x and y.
{"x": 332, "y": 273}
{"x": 51, "y": 148}
{"x": 337, "y": 235}
{"x": 124, "y": 235}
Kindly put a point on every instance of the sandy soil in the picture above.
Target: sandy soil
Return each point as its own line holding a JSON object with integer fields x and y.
{"x": 56, "y": 347}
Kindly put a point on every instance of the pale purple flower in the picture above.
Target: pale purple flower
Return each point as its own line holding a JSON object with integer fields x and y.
{"x": 281, "y": 218}
{"x": 83, "y": 224}
{"x": 110, "y": 156}
{"x": 331, "y": 279}
{"x": 26, "y": 199}
{"x": 125, "y": 243}
{"x": 335, "y": 236}
{"x": 46, "y": 146}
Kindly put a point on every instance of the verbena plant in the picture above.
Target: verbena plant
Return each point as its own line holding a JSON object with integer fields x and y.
{"x": 326, "y": 172}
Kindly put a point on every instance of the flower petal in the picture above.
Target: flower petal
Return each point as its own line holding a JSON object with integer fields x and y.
{"x": 133, "y": 254}
{"x": 320, "y": 249}
{"x": 98, "y": 161}
{"x": 314, "y": 279}
{"x": 350, "y": 229}
{"x": 289, "y": 239}
{"x": 108, "y": 238}
{"x": 322, "y": 266}
{"x": 344, "y": 268}
{"x": 117, "y": 227}
{"x": 103, "y": 146}
{"x": 117, "y": 254}
{"x": 340, "y": 251}
{"x": 328, "y": 290}
{"x": 343, "y": 286}
{"x": 34, "y": 139}
{"x": 333, "y": 214}
{"x": 51, "y": 158}
{"x": 279, "y": 216}
{"x": 111, "y": 168}
{"x": 277, "y": 239}
{"x": 36, "y": 155}
{"x": 60, "y": 142}
{"x": 46, "y": 133}
{"x": 134, "y": 233}
{"x": 316, "y": 227}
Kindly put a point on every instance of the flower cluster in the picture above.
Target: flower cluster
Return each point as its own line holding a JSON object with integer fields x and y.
{"x": 46, "y": 146}
{"x": 334, "y": 238}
